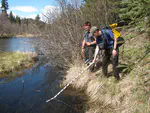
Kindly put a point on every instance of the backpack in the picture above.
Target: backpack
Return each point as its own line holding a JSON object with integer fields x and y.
{"x": 120, "y": 41}
{"x": 106, "y": 40}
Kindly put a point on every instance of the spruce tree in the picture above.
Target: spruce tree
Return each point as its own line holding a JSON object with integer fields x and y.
{"x": 135, "y": 10}
{"x": 11, "y": 17}
{"x": 37, "y": 18}
{"x": 18, "y": 20}
{"x": 4, "y": 4}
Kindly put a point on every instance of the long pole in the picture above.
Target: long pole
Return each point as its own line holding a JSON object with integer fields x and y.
{"x": 68, "y": 84}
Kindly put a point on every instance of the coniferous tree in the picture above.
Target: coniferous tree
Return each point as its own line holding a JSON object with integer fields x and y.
{"x": 18, "y": 20}
{"x": 4, "y": 4}
{"x": 136, "y": 11}
{"x": 11, "y": 17}
{"x": 37, "y": 18}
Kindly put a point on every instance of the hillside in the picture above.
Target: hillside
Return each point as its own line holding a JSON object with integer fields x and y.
{"x": 131, "y": 94}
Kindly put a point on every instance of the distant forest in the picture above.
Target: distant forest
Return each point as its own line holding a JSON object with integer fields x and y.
{"x": 12, "y": 25}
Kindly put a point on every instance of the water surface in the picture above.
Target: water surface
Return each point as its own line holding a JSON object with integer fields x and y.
{"x": 29, "y": 92}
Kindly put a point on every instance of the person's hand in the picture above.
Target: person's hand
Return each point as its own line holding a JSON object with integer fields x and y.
{"x": 88, "y": 43}
{"x": 94, "y": 60}
{"x": 114, "y": 53}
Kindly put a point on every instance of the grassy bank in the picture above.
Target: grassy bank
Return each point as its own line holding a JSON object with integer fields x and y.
{"x": 6, "y": 36}
{"x": 131, "y": 94}
{"x": 14, "y": 61}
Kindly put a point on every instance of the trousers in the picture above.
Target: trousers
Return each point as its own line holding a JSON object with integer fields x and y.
{"x": 107, "y": 57}
{"x": 89, "y": 52}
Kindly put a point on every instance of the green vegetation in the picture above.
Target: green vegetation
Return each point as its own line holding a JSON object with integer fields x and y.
{"x": 129, "y": 36}
{"x": 37, "y": 18}
{"x": 6, "y": 36}
{"x": 136, "y": 12}
{"x": 14, "y": 19}
{"x": 14, "y": 61}
{"x": 4, "y": 4}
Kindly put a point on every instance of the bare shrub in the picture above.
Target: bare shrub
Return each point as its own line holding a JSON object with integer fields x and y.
{"x": 63, "y": 34}
{"x": 62, "y": 37}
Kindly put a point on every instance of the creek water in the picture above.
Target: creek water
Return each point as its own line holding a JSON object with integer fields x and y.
{"x": 28, "y": 93}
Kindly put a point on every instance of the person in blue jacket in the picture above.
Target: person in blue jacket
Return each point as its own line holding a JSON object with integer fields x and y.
{"x": 105, "y": 40}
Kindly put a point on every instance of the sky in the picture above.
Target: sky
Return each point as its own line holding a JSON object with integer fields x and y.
{"x": 30, "y": 8}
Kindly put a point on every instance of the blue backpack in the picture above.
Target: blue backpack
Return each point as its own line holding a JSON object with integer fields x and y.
{"x": 105, "y": 41}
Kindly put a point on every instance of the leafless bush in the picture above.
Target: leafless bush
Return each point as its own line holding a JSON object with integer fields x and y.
{"x": 8, "y": 28}
{"x": 4, "y": 25}
{"x": 63, "y": 34}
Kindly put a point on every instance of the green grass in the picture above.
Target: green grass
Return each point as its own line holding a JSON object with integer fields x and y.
{"x": 6, "y": 36}
{"x": 130, "y": 36}
{"x": 13, "y": 61}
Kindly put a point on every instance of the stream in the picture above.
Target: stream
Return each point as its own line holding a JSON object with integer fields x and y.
{"x": 28, "y": 93}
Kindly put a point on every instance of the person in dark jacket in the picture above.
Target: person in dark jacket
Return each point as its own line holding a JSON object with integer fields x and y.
{"x": 88, "y": 43}
{"x": 106, "y": 41}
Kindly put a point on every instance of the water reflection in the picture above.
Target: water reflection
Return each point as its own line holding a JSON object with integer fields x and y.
{"x": 29, "y": 93}
{"x": 17, "y": 44}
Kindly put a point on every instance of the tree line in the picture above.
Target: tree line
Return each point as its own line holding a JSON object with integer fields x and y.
{"x": 135, "y": 12}
{"x": 13, "y": 25}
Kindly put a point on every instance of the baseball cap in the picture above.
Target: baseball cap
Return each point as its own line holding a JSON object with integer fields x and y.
{"x": 92, "y": 30}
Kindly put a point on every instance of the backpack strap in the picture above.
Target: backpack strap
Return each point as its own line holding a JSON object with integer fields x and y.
{"x": 107, "y": 38}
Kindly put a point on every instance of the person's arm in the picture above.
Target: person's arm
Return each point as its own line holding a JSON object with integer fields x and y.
{"x": 115, "y": 43}
{"x": 96, "y": 52}
{"x": 91, "y": 43}
{"x": 114, "y": 52}
{"x": 83, "y": 46}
